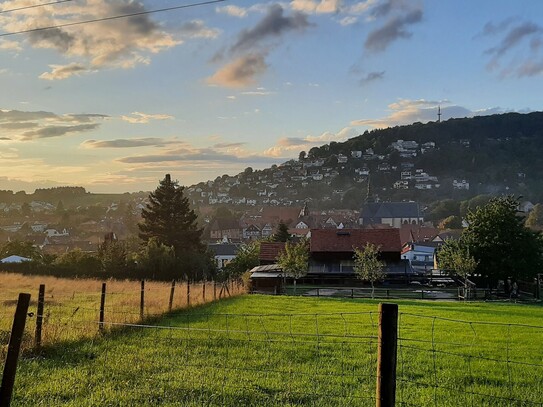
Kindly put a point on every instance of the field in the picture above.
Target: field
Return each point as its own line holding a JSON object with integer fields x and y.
{"x": 265, "y": 351}
{"x": 72, "y": 306}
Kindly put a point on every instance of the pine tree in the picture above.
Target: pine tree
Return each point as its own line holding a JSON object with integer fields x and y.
{"x": 168, "y": 218}
{"x": 281, "y": 234}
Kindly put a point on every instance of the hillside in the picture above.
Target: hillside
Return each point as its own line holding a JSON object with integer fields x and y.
{"x": 457, "y": 158}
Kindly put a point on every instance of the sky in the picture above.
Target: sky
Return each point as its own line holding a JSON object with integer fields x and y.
{"x": 209, "y": 88}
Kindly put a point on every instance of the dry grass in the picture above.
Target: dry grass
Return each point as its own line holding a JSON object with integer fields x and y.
{"x": 72, "y": 306}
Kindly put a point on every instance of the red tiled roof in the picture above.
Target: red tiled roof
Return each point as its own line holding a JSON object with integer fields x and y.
{"x": 419, "y": 233}
{"x": 343, "y": 240}
{"x": 270, "y": 250}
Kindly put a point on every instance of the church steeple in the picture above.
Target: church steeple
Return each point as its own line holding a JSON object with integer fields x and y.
{"x": 305, "y": 211}
{"x": 369, "y": 195}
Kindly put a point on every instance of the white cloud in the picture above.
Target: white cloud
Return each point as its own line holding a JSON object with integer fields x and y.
{"x": 63, "y": 71}
{"x": 233, "y": 11}
{"x": 315, "y": 6}
{"x": 144, "y": 118}
{"x": 291, "y": 146}
{"x": 406, "y": 111}
{"x": 122, "y": 43}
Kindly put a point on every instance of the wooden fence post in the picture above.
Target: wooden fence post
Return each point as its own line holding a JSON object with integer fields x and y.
{"x": 14, "y": 347}
{"x": 172, "y": 292}
{"x": 142, "y": 299}
{"x": 214, "y": 290}
{"x": 188, "y": 293}
{"x": 102, "y": 307}
{"x": 39, "y": 316}
{"x": 386, "y": 355}
{"x": 204, "y": 291}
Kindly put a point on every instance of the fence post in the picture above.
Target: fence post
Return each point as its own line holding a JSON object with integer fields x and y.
{"x": 204, "y": 291}
{"x": 14, "y": 347}
{"x": 172, "y": 291}
{"x": 102, "y": 307}
{"x": 318, "y": 292}
{"x": 214, "y": 290}
{"x": 386, "y": 355}
{"x": 422, "y": 294}
{"x": 142, "y": 299}
{"x": 188, "y": 293}
{"x": 39, "y": 316}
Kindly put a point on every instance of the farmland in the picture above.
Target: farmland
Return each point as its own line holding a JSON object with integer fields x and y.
{"x": 260, "y": 350}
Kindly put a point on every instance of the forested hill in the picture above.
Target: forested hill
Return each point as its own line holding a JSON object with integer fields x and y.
{"x": 457, "y": 158}
{"x": 494, "y": 154}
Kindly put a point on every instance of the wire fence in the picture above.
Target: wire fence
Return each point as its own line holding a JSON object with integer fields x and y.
{"x": 268, "y": 359}
{"x": 72, "y": 312}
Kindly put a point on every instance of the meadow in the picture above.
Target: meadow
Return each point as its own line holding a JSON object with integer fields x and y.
{"x": 255, "y": 350}
{"x": 72, "y": 306}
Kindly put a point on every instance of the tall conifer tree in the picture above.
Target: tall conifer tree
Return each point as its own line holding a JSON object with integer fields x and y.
{"x": 168, "y": 218}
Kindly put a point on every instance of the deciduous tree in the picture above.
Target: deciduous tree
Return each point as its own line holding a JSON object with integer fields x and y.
{"x": 500, "y": 243}
{"x": 294, "y": 260}
{"x": 367, "y": 265}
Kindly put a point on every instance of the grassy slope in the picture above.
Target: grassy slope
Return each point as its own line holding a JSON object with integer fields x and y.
{"x": 258, "y": 350}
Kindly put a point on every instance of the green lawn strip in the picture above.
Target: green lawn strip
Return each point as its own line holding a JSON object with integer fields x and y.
{"x": 267, "y": 351}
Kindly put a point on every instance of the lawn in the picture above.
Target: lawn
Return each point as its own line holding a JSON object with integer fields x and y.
{"x": 266, "y": 351}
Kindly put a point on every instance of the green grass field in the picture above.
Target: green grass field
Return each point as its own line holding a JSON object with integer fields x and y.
{"x": 267, "y": 351}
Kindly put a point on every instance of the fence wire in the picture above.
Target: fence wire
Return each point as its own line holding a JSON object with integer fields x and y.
{"x": 448, "y": 362}
{"x": 213, "y": 359}
{"x": 193, "y": 358}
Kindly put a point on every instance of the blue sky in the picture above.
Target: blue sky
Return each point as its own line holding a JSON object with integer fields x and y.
{"x": 212, "y": 89}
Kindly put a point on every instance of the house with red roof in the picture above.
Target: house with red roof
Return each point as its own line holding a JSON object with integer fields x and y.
{"x": 332, "y": 251}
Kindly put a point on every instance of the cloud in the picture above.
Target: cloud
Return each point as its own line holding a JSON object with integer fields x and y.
{"x": 63, "y": 71}
{"x": 291, "y": 146}
{"x": 29, "y": 125}
{"x": 122, "y": 43}
{"x": 258, "y": 92}
{"x": 228, "y": 145}
{"x": 198, "y": 29}
{"x": 274, "y": 24}
{"x": 525, "y": 37}
{"x": 407, "y": 111}
{"x": 205, "y": 155}
{"x": 348, "y": 20}
{"x": 129, "y": 143}
{"x": 395, "y": 28}
{"x": 253, "y": 45}
{"x": 241, "y": 72}
{"x": 372, "y": 77}
{"x": 57, "y": 131}
{"x": 144, "y": 118}
{"x": 5, "y": 139}
{"x": 7, "y": 45}
{"x": 233, "y": 11}
{"x": 319, "y": 7}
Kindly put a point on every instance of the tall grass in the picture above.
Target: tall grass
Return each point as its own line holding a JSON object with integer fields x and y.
{"x": 72, "y": 306}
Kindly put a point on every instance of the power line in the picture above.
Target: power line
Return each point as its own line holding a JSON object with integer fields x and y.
{"x": 140, "y": 13}
{"x": 33, "y": 6}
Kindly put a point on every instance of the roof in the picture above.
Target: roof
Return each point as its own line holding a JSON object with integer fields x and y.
{"x": 266, "y": 275}
{"x": 14, "y": 259}
{"x": 268, "y": 268}
{"x": 223, "y": 249}
{"x": 332, "y": 240}
{"x": 417, "y": 233}
{"x": 390, "y": 210}
{"x": 270, "y": 250}
{"x": 225, "y": 224}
